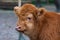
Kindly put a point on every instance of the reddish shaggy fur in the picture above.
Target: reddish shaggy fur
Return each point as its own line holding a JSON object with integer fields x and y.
{"x": 46, "y": 24}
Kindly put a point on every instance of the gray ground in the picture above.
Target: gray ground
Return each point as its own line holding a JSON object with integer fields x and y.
{"x": 8, "y": 23}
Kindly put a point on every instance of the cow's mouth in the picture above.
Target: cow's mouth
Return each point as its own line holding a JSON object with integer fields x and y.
{"x": 19, "y": 30}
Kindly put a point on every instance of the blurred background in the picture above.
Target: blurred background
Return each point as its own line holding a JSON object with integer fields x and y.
{"x": 9, "y": 4}
{"x": 8, "y": 18}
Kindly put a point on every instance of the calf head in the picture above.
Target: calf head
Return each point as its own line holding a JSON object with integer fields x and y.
{"x": 28, "y": 21}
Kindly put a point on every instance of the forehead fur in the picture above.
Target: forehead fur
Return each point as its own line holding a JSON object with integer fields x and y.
{"x": 28, "y": 8}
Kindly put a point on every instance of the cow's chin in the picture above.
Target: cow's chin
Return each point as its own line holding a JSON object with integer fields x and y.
{"x": 20, "y": 31}
{"x": 26, "y": 32}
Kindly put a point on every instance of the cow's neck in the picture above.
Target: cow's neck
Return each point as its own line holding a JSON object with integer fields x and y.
{"x": 35, "y": 35}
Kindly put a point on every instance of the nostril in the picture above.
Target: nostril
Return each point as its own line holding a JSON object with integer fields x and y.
{"x": 17, "y": 28}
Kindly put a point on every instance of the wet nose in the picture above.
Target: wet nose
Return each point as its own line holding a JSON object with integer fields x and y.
{"x": 18, "y": 28}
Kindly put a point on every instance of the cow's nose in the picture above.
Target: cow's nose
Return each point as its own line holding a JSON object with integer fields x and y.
{"x": 18, "y": 28}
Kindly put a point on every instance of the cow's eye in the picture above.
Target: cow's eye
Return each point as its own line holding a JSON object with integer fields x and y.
{"x": 28, "y": 18}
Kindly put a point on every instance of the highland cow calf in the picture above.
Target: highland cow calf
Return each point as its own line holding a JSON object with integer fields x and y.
{"x": 38, "y": 24}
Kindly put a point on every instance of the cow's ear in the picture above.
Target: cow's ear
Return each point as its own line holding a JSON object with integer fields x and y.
{"x": 41, "y": 11}
{"x": 17, "y": 10}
